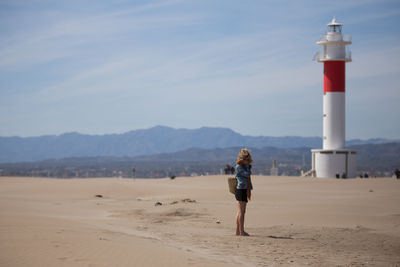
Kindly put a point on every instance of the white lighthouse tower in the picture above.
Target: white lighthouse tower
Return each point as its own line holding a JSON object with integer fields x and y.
{"x": 334, "y": 160}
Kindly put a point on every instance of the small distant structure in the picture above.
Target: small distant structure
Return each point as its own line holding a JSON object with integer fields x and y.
{"x": 274, "y": 169}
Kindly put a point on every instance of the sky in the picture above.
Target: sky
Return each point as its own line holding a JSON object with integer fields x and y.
{"x": 102, "y": 67}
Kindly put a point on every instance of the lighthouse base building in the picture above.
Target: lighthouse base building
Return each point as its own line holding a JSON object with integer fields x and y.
{"x": 339, "y": 163}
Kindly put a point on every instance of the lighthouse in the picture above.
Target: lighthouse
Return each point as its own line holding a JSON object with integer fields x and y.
{"x": 334, "y": 160}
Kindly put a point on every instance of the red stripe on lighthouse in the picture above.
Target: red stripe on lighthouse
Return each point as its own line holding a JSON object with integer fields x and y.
{"x": 334, "y": 76}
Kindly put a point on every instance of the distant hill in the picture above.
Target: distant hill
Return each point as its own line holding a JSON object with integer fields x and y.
{"x": 378, "y": 156}
{"x": 156, "y": 140}
{"x": 263, "y": 156}
{"x": 370, "y": 157}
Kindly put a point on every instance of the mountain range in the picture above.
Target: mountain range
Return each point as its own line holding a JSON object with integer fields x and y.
{"x": 156, "y": 140}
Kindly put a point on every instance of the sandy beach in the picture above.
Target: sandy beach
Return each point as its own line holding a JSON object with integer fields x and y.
{"x": 292, "y": 221}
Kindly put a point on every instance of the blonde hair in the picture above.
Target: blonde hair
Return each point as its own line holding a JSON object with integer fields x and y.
{"x": 244, "y": 154}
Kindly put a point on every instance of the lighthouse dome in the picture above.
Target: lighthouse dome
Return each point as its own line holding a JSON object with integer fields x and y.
{"x": 334, "y": 26}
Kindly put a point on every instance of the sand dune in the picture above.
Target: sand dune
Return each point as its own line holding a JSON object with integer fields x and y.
{"x": 190, "y": 222}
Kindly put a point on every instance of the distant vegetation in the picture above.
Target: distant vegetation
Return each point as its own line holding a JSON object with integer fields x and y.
{"x": 378, "y": 157}
{"x": 374, "y": 159}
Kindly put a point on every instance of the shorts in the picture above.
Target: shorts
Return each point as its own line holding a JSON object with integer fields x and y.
{"x": 241, "y": 194}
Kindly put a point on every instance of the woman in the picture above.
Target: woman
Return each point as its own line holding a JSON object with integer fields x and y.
{"x": 243, "y": 188}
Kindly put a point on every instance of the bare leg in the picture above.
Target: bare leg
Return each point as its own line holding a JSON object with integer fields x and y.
{"x": 238, "y": 222}
{"x": 240, "y": 219}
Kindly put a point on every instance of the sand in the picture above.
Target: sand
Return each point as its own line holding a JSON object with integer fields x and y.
{"x": 292, "y": 221}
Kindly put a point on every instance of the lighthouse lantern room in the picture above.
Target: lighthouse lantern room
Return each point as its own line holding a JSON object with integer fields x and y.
{"x": 334, "y": 160}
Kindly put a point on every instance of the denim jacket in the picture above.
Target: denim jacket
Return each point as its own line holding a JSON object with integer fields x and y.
{"x": 242, "y": 173}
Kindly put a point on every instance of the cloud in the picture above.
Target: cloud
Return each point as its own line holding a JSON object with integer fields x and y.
{"x": 382, "y": 61}
{"x": 373, "y": 16}
{"x": 207, "y": 67}
{"x": 66, "y": 36}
